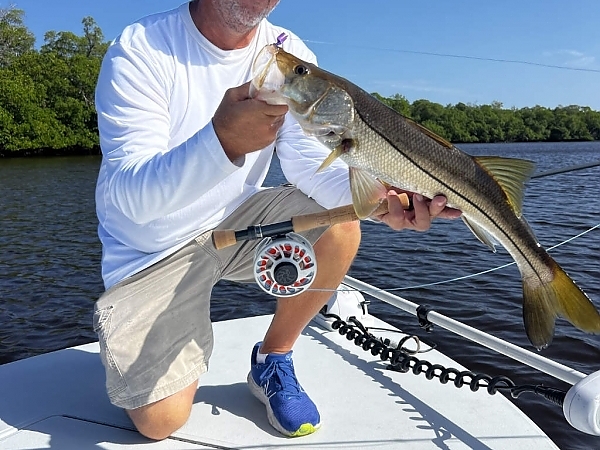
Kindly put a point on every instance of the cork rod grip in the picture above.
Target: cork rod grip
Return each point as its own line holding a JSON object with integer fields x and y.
{"x": 342, "y": 214}
{"x": 223, "y": 238}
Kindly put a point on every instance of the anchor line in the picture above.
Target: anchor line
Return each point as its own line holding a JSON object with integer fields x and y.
{"x": 405, "y": 361}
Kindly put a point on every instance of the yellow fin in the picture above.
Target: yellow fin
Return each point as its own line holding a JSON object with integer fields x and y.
{"x": 511, "y": 174}
{"x": 335, "y": 154}
{"x": 543, "y": 303}
{"x": 367, "y": 192}
{"x": 440, "y": 140}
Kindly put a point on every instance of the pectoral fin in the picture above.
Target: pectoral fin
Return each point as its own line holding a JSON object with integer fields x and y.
{"x": 367, "y": 192}
{"x": 335, "y": 154}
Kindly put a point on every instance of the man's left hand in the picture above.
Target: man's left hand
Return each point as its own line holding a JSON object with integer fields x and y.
{"x": 420, "y": 216}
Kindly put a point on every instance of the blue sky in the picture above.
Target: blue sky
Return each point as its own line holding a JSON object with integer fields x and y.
{"x": 372, "y": 43}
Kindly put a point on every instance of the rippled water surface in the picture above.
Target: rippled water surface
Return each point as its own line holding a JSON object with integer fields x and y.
{"x": 50, "y": 268}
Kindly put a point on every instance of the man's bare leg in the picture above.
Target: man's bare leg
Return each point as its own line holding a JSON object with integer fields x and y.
{"x": 160, "y": 419}
{"x": 335, "y": 251}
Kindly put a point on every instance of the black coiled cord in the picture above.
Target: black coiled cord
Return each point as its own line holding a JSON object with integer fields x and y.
{"x": 402, "y": 360}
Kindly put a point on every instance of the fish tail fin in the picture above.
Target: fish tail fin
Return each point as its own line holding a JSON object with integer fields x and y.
{"x": 561, "y": 297}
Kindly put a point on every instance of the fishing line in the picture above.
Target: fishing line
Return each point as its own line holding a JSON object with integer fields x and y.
{"x": 483, "y": 272}
{"x": 464, "y": 277}
{"x": 420, "y": 286}
{"x": 450, "y": 55}
{"x": 539, "y": 175}
{"x": 490, "y": 270}
{"x": 566, "y": 169}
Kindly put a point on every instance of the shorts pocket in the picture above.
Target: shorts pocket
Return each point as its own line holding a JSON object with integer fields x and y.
{"x": 102, "y": 320}
{"x": 115, "y": 382}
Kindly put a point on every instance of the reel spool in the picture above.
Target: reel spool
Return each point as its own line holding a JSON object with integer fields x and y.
{"x": 285, "y": 266}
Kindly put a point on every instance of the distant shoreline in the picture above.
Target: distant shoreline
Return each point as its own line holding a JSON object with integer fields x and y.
{"x": 49, "y": 152}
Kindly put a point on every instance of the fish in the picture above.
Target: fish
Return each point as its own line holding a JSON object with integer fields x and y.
{"x": 383, "y": 148}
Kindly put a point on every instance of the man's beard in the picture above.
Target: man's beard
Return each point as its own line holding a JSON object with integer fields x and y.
{"x": 238, "y": 18}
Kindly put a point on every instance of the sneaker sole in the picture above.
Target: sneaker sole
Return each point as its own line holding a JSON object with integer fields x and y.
{"x": 305, "y": 428}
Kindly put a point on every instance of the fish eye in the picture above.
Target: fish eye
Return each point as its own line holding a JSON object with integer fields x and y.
{"x": 301, "y": 70}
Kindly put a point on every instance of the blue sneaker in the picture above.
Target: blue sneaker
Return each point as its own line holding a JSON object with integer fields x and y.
{"x": 289, "y": 409}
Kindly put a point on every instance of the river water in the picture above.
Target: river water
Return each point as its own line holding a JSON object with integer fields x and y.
{"x": 50, "y": 268}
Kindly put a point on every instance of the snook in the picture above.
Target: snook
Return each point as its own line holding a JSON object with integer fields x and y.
{"x": 380, "y": 145}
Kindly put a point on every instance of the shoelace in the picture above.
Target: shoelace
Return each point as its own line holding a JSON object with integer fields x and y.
{"x": 283, "y": 377}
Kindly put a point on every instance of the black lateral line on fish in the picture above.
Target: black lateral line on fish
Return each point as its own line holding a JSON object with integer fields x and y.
{"x": 466, "y": 199}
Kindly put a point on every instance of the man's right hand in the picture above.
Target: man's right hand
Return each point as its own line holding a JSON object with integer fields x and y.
{"x": 245, "y": 125}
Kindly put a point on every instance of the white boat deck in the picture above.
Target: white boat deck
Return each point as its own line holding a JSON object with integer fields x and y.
{"x": 58, "y": 401}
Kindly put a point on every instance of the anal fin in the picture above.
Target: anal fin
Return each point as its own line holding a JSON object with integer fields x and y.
{"x": 480, "y": 233}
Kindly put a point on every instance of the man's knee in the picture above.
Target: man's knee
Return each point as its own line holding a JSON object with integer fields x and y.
{"x": 161, "y": 419}
{"x": 337, "y": 247}
{"x": 347, "y": 233}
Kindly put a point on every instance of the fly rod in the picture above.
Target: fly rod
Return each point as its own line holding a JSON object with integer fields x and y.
{"x": 342, "y": 214}
{"x": 566, "y": 169}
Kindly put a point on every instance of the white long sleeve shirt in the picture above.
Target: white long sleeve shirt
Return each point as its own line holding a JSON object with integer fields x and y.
{"x": 164, "y": 177}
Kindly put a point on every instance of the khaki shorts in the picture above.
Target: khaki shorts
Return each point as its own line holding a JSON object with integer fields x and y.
{"x": 154, "y": 328}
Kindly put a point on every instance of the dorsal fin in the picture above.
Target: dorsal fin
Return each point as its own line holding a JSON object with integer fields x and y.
{"x": 511, "y": 174}
{"x": 440, "y": 140}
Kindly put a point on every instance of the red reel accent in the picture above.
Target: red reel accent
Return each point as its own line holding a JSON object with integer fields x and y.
{"x": 291, "y": 254}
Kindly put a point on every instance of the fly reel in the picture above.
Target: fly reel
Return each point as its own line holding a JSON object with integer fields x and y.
{"x": 285, "y": 266}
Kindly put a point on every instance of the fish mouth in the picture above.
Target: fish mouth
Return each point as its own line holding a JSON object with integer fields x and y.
{"x": 267, "y": 78}
{"x": 323, "y": 109}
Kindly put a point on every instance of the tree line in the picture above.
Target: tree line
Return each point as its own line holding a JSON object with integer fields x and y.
{"x": 47, "y": 94}
{"x": 494, "y": 123}
{"x": 47, "y": 99}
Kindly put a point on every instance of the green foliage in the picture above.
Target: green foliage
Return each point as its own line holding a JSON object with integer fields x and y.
{"x": 25, "y": 122}
{"x": 494, "y": 123}
{"x": 15, "y": 38}
{"x": 47, "y": 96}
{"x": 397, "y": 102}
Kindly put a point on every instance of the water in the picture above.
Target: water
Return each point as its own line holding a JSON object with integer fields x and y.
{"x": 50, "y": 269}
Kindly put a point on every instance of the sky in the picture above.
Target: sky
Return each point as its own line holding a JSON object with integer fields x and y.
{"x": 398, "y": 46}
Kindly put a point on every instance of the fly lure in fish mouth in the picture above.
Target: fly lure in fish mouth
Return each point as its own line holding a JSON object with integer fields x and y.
{"x": 280, "y": 40}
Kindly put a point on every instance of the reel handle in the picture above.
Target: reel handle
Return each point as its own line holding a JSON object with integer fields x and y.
{"x": 342, "y": 214}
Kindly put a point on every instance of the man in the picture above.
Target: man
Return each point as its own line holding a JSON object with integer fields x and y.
{"x": 185, "y": 151}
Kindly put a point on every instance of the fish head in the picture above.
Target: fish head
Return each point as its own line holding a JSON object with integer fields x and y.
{"x": 314, "y": 96}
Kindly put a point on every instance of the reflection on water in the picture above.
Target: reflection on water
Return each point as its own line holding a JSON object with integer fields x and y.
{"x": 50, "y": 268}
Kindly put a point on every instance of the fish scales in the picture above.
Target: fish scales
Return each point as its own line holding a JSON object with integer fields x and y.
{"x": 380, "y": 145}
{"x": 473, "y": 194}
